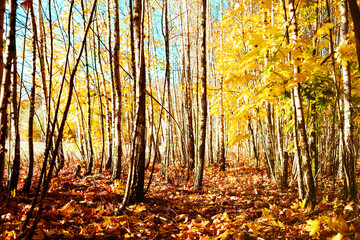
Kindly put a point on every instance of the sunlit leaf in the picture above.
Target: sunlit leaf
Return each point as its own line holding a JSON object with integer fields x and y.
{"x": 313, "y": 226}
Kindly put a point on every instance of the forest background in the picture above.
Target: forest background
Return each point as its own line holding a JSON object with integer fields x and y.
{"x": 135, "y": 90}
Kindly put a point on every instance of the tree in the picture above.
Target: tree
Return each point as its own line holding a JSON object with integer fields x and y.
{"x": 27, "y": 184}
{"x": 355, "y": 15}
{"x": 135, "y": 183}
{"x": 349, "y": 161}
{"x": 5, "y": 86}
{"x": 310, "y": 191}
{"x": 199, "y": 164}
{"x": 89, "y": 142}
{"x": 221, "y": 157}
{"x": 117, "y": 150}
{"x": 2, "y": 13}
{"x": 168, "y": 95}
{"x": 188, "y": 98}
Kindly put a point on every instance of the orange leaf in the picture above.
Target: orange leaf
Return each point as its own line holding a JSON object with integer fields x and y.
{"x": 26, "y": 4}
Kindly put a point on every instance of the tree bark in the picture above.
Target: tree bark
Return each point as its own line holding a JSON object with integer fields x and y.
{"x": 27, "y": 184}
{"x": 188, "y": 98}
{"x": 89, "y": 149}
{"x": 311, "y": 190}
{"x": 2, "y": 13}
{"x": 355, "y": 15}
{"x": 117, "y": 149}
{"x": 5, "y": 87}
{"x": 349, "y": 161}
{"x": 168, "y": 95}
{"x": 15, "y": 168}
{"x": 135, "y": 183}
{"x": 199, "y": 166}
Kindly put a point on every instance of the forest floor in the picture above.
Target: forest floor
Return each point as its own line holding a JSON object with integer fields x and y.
{"x": 240, "y": 203}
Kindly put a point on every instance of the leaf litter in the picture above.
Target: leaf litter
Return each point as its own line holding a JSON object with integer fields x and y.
{"x": 238, "y": 204}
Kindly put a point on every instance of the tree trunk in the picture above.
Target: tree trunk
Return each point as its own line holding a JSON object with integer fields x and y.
{"x": 167, "y": 82}
{"x": 349, "y": 161}
{"x": 199, "y": 166}
{"x": 2, "y": 13}
{"x": 135, "y": 183}
{"x": 100, "y": 101}
{"x": 15, "y": 168}
{"x": 117, "y": 136}
{"x": 27, "y": 184}
{"x": 310, "y": 191}
{"x": 109, "y": 118}
{"x": 45, "y": 90}
{"x": 5, "y": 87}
{"x": 355, "y": 15}
{"x": 89, "y": 149}
{"x": 188, "y": 99}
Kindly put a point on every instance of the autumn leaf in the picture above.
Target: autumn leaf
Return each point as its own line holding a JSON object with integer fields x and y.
{"x": 26, "y": 4}
{"x": 337, "y": 237}
{"x": 345, "y": 52}
{"x": 313, "y": 226}
{"x": 68, "y": 208}
{"x": 225, "y": 217}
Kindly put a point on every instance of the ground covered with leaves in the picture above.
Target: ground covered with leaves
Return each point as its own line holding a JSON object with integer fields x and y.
{"x": 240, "y": 203}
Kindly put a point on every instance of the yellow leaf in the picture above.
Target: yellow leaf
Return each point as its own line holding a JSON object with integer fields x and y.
{"x": 349, "y": 207}
{"x": 313, "y": 226}
{"x": 225, "y": 217}
{"x": 13, "y": 193}
{"x": 345, "y": 52}
{"x": 253, "y": 228}
{"x": 325, "y": 199}
{"x": 226, "y": 235}
{"x": 337, "y": 237}
{"x": 107, "y": 221}
{"x": 277, "y": 224}
{"x": 68, "y": 208}
{"x": 302, "y": 204}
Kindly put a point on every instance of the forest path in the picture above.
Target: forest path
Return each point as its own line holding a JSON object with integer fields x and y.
{"x": 240, "y": 203}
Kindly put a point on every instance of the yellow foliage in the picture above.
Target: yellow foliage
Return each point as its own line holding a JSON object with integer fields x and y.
{"x": 345, "y": 52}
{"x": 313, "y": 226}
{"x": 337, "y": 237}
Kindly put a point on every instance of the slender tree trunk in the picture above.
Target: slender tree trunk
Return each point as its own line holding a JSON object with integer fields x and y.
{"x": 313, "y": 140}
{"x": 282, "y": 155}
{"x": 199, "y": 166}
{"x": 15, "y": 168}
{"x": 27, "y": 184}
{"x": 117, "y": 137}
{"x": 221, "y": 157}
{"x": 253, "y": 143}
{"x": 135, "y": 182}
{"x": 45, "y": 90}
{"x": 355, "y": 15}
{"x": 188, "y": 99}
{"x": 100, "y": 102}
{"x": 297, "y": 154}
{"x": 311, "y": 190}
{"x": 109, "y": 118}
{"x": 167, "y": 81}
{"x": 2, "y": 13}
{"x": 349, "y": 161}
{"x": 5, "y": 93}
{"x": 89, "y": 149}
